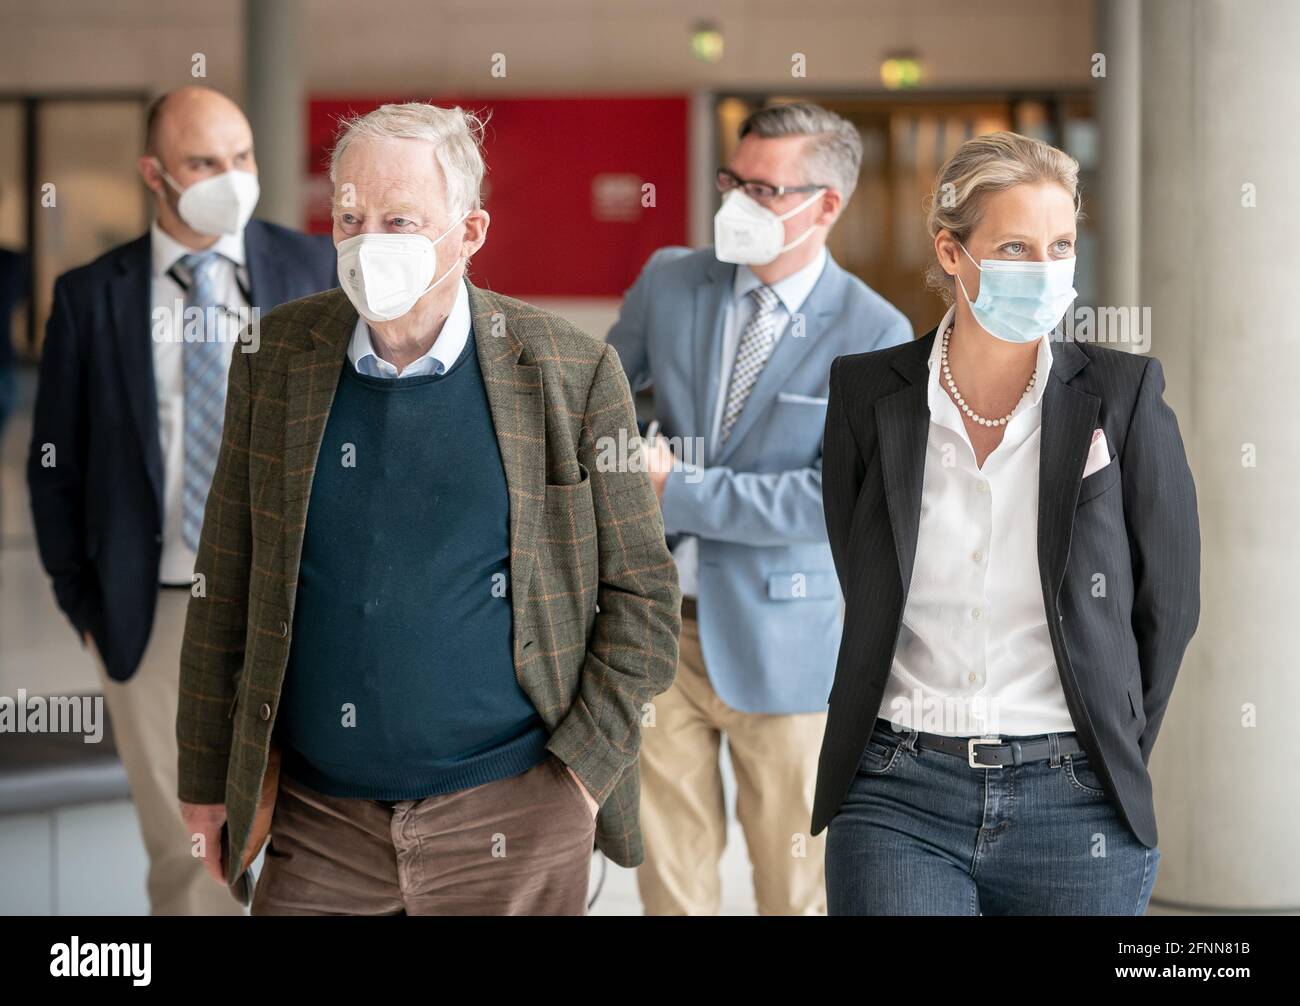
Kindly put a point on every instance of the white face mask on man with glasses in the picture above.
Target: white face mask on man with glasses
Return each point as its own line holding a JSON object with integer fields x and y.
{"x": 745, "y": 232}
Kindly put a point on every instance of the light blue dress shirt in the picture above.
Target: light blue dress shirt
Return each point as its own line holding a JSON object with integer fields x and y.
{"x": 446, "y": 348}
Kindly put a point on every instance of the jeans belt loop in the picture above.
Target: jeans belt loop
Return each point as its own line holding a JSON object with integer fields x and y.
{"x": 1054, "y": 749}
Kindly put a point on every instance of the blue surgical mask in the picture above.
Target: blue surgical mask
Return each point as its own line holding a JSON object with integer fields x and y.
{"x": 1020, "y": 301}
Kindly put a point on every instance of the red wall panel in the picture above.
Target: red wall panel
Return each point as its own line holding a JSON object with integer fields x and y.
{"x": 563, "y": 187}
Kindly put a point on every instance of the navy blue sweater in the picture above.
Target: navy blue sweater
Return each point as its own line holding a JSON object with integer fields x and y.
{"x": 401, "y": 680}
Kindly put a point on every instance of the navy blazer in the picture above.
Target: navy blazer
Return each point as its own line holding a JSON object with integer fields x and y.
{"x": 1134, "y": 521}
{"x": 98, "y": 509}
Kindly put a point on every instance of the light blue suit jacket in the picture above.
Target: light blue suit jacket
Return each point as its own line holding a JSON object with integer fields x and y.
{"x": 769, "y": 600}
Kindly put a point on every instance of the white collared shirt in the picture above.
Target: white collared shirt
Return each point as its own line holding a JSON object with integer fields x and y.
{"x": 446, "y": 348}
{"x": 177, "y": 564}
{"x": 791, "y": 292}
{"x": 974, "y": 656}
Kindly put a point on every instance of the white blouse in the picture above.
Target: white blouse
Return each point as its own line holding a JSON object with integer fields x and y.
{"x": 974, "y": 656}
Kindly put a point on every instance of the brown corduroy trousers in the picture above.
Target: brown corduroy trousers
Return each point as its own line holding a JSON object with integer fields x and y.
{"x": 517, "y": 846}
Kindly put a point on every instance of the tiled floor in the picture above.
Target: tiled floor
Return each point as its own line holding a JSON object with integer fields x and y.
{"x": 38, "y": 652}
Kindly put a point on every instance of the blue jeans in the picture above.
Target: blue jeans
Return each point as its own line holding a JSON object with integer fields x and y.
{"x": 920, "y": 832}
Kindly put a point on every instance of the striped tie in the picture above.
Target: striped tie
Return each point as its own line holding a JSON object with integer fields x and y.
{"x": 205, "y": 397}
{"x": 755, "y": 347}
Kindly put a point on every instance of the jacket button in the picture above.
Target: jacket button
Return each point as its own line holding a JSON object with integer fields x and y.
{"x": 265, "y": 711}
{"x": 157, "y": 539}
{"x": 284, "y": 629}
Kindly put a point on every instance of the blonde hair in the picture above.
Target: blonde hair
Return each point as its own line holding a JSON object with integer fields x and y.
{"x": 990, "y": 163}
{"x": 456, "y": 135}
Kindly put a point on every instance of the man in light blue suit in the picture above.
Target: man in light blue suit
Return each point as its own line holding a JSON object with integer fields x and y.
{"x": 737, "y": 341}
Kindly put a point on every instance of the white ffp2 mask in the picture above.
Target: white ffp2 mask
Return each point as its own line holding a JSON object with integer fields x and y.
{"x": 748, "y": 233}
{"x": 219, "y": 204}
{"x": 385, "y": 274}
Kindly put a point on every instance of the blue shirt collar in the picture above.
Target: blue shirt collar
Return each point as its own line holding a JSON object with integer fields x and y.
{"x": 792, "y": 291}
{"x": 446, "y": 348}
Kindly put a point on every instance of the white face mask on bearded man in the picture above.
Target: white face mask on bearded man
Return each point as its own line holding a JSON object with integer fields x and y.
{"x": 220, "y": 204}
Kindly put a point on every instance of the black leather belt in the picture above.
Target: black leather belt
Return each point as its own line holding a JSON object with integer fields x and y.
{"x": 688, "y": 609}
{"x": 994, "y": 752}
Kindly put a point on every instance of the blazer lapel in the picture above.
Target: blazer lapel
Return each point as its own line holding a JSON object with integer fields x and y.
{"x": 710, "y": 313}
{"x": 518, "y": 407}
{"x": 130, "y": 297}
{"x": 823, "y": 300}
{"x": 903, "y": 422}
{"x": 311, "y": 377}
{"x": 1069, "y": 417}
{"x": 266, "y": 276}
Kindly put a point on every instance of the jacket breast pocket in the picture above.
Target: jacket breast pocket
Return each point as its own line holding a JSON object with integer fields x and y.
{"x": 792, "y": 398}
{"x": 810, "y": 585}
{"x": 1098, "y": 482}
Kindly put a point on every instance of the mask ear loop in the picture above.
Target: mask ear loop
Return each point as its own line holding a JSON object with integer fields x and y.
{"x": 168, "y": 178}
{"x": 452, "y": 268}
{"x": 803, "y": 205}
{"x": 799, "y": 209}
{"x": 959, "y": 280}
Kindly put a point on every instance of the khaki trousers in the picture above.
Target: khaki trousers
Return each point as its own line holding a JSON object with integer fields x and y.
{"x": 516, "y": 846}
{"x": 683, "y": 815}
{"x": 143, "y": 713}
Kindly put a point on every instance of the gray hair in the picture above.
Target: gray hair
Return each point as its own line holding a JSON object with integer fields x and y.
{"x": 833, "y": 156}
{"x": 456, "y": 135}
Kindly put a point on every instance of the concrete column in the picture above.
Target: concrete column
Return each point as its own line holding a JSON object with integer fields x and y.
{"x": 1119, "y": 172}
{"x": 1220, "y": 99}
{"x": 274, "y": 99}
{"x": 702, "y": 161}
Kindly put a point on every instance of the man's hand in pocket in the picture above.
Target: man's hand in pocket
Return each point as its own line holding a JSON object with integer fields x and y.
{"x": 205, "y": 820}
{"x": 592, "y": 805}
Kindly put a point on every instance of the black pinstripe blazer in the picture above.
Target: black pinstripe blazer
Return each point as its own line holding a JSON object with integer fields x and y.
{"x": 1133, "y": 521}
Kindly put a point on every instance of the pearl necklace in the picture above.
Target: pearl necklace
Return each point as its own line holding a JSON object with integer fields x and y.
{"x": 947, "y": 376}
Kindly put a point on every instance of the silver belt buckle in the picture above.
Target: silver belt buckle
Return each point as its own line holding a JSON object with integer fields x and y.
{"x": 970, "y": 750}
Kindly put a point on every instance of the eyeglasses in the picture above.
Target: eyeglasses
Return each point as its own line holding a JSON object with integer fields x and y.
{"x": 759, "y": 191}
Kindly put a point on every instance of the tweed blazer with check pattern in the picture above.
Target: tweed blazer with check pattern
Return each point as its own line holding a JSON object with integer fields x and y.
{"x": 594, "y": 592}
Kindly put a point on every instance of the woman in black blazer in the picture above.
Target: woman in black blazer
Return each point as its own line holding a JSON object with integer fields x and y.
{"x": 1014, "y": 527}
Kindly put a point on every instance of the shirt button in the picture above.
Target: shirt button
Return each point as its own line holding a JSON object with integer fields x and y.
{"x": 977, "y": 613}
{"x": 265, "y": 711}
{"x": 973, "y": 677}
{"x": 981, "y": 487}
{"x": 977, "y": 556}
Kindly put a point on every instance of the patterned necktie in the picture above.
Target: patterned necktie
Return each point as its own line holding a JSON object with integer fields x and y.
{"x": 205, "y": 396}
{"x": 755, "y": 347}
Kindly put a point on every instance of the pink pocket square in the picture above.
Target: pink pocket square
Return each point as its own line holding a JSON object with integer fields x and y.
{"x": 1098, "y": 453}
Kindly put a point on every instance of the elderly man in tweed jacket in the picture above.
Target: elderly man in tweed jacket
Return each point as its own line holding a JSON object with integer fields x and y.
{"x": 430, "y": 612}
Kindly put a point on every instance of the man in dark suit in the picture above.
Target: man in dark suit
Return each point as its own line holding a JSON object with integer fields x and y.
{"x": 127, "y": 422}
